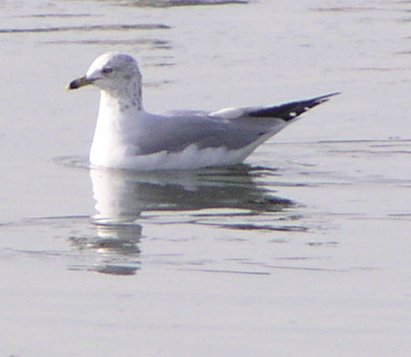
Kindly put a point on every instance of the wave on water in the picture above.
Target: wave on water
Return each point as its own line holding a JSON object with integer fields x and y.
{"x": 170, "y": 3}
{"x": 119, "y": 27}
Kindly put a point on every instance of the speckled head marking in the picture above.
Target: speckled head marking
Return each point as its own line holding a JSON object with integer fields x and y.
{"x": 118, "y": 75}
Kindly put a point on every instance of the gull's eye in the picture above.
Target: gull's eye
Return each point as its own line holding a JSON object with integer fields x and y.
{"x": 107, "y": 70}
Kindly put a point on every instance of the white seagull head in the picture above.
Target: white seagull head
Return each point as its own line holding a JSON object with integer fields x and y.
{"x": 112, "y": 72}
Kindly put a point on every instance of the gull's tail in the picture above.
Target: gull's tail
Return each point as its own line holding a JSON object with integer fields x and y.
{"x": 289, "y": 111}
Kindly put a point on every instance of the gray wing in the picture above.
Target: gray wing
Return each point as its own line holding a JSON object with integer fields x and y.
{"x": 174, "y": 133}
{"x": 229, "y": 128}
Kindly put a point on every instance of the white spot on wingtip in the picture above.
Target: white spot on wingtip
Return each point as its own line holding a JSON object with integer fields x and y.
{"x": 292, "y": 114}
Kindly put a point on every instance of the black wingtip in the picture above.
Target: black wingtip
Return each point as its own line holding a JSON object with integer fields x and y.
{"x": 325, "y": 98}
{"x": 290, "y": 111}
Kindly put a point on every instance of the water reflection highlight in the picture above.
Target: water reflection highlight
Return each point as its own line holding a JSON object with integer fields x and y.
{"x": 122, "y": 198}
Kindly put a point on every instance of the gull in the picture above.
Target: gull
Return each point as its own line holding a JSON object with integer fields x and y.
{"x": 128, "y": 137}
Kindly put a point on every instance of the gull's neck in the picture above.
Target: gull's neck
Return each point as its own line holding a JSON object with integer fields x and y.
{"x": 118, "y": 125}
{"x": 118, "y": 103}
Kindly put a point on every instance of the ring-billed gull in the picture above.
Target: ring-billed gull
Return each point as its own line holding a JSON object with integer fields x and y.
{"x": 128, "y": 137}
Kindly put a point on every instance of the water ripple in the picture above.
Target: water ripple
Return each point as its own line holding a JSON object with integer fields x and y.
{"x": 172, "y": 3}
{"x": 116, "y": 27}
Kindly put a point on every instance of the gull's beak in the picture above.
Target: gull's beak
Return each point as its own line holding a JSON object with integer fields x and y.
{"x": 79, "y": 82}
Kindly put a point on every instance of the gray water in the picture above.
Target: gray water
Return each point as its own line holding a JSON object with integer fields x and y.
{"x": 303, "y": 250}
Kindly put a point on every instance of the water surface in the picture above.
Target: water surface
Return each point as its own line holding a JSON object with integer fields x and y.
{"x": 304, "y": 249}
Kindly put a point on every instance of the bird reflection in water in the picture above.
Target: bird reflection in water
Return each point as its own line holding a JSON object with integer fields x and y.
{"x": 122, "y": 196}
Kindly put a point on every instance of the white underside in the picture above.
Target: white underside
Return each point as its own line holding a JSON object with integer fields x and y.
{"x": 190, "y": 158}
